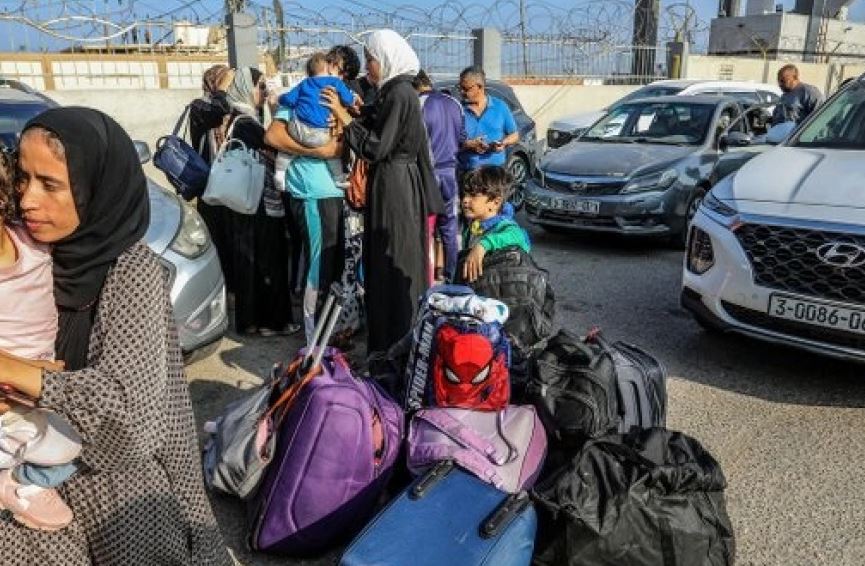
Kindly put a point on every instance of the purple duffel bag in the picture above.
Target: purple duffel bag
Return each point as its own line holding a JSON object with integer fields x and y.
{"x": 335, "y": 450}
{"x": 504, "y": 448}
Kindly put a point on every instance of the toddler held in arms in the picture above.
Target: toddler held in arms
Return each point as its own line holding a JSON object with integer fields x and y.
{"x": 38, "y": 448}
{"x": 310, "y": 121}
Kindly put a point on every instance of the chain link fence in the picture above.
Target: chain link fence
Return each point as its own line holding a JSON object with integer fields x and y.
{"x": 592, "y": 62}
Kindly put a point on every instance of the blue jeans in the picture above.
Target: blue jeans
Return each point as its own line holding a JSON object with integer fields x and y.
{"x": 45, "y": 476}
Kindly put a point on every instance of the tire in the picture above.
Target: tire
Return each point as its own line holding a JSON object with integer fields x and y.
{"x": 518, "y": 167}
{"x": 680, "y": 240}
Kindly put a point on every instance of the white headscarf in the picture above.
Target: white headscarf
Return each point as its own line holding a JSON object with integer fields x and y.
{"x": 240, "y": 94}
{"x": 393, "y": 53}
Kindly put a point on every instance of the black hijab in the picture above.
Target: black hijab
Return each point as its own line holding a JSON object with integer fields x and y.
{"x": 110, "y": 192}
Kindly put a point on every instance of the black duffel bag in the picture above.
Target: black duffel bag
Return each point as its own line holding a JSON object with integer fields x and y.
{"x": 649, "y": 498}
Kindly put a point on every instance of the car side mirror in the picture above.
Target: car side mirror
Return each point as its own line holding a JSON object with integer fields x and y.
{"x": 733, "y": 139}
{"x": 143, "y": 151}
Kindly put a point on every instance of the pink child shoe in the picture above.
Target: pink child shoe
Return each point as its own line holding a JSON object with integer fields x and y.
{"x": 32, "y": 506}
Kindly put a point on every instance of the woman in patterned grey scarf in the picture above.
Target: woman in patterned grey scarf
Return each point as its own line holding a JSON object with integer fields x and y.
{"x": 138, "y": 497}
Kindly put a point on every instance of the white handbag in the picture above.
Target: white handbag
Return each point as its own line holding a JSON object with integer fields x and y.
{"x": 236, "y": 177}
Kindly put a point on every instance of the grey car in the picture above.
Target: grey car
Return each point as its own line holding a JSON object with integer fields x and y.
{"x": 176, "y": 234}
{"x": 640, "y": 170}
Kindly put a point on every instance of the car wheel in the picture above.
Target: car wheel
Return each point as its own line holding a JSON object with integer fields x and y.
{"x": 518, "y": 167}
{"x": 680, "y": 240}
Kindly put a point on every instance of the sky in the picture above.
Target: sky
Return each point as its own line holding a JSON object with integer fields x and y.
{"x": 544, "y": 15}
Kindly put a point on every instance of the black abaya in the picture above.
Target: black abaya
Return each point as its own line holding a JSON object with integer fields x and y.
{"x": 401, "y": 193}
{"x": 259, "y": 252}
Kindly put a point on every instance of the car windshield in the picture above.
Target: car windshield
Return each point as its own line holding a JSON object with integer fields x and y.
{"x": 13, "y": 117}
{"x": 839, "y": 124}
{"x": 676, "y": 123}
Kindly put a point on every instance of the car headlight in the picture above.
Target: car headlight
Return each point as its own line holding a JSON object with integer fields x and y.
{"x": 192, "y": 239}
{"x": 653, "y": 182}
{"x": 714, "y": 204}
{"x": 701, "y": 254}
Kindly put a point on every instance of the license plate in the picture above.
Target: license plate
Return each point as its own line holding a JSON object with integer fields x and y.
{"x": 818, "y": 313}
{"x": 576, "y": 205}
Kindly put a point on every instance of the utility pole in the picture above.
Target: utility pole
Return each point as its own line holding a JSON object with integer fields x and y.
{"x": 523, "y": 35}
{"x": 242, "y": 36}
{"x": 279, "y": 16}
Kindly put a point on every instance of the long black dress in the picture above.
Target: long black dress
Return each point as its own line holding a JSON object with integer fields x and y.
{"x": 259, "y": 252}
{"x": 401, "y": 193}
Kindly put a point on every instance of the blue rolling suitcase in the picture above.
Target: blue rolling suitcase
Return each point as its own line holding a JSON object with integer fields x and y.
{"x": 448, "y": 517}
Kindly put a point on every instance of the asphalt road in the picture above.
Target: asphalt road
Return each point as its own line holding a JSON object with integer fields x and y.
{"x": 787, "y": 427}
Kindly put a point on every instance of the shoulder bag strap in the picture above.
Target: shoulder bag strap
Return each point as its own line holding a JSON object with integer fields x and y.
{"x": 181, "y": 120}
{"x": 459, "y": 433}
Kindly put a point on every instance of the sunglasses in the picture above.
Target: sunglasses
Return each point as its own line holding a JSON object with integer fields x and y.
{"x": 468, "y": 88}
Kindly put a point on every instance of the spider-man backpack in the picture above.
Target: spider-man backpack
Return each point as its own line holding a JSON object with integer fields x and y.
{"x": 469, "y": 372}
{"x": 460, "y": 354}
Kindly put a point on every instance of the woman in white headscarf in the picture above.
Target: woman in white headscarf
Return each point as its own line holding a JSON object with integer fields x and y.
{"x": 401, "y": 189}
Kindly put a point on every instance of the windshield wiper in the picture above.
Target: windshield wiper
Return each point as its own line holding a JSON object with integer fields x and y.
{"x": 656, "y": 141}
{"x": 598, "y": 139}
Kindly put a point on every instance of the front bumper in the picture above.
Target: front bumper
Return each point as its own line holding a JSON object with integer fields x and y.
{"x": 198, "y": 298}
{"x": 651, "y": 213}
{"x": 726, "y": 298}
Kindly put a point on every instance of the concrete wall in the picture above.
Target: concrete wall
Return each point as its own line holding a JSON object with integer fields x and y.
{"x": 145, "y": 114}
{"x": 149, "y": 114}
{"x": 824, "y": 76}
{"x": 545, "y": 103}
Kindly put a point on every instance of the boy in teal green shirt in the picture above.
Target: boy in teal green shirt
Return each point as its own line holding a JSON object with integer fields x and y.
{"x": 489, "y": 220}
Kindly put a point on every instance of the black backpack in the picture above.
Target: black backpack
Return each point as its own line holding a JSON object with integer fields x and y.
{"x": 572, "y": 383}
{"x": 650, "y": 498}
{"x": 511, "y": 276}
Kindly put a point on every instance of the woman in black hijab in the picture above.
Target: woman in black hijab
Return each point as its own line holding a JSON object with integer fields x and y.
{"x": 139, "y": 495}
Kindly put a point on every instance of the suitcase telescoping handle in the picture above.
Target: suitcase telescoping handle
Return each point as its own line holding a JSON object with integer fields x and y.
{"x": 324, "y": 328}
{"x": 431, "y": 478}
{"x": 509, "y": 509}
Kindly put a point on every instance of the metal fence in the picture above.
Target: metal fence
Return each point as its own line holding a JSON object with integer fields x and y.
{"x": 590, "y": 57}
{"x": 579, "y": 58}
{"x": 440, "y": 54}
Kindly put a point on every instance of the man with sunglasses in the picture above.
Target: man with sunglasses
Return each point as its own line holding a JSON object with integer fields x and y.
{"x": 490, "y": 125}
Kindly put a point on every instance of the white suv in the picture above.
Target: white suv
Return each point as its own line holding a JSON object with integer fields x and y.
{"x": 565, "y": 129}
{"x": 777, "y": 250}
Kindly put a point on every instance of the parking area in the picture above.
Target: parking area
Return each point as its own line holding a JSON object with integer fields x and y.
{"x": 786, "y": 426}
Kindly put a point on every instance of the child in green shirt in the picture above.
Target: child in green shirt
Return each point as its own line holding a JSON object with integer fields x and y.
{"x": 489, "y": 220}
